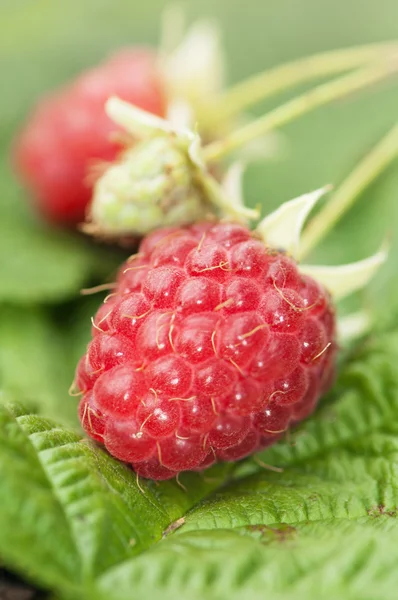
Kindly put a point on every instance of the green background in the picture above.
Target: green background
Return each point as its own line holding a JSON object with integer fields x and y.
{"x": 338, "y": 492}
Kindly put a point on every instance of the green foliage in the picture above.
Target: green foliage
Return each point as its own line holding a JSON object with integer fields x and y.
{"x": 39, "y": 263}
{"x": 69, "y": 511}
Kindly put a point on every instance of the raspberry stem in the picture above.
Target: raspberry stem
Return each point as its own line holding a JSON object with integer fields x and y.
{"x": 374, "y": 163}
{"x": 298, "y": 106}
{"x": 288, "y": 75}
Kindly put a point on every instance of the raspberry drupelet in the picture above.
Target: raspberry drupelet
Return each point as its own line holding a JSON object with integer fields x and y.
{"x": 211, "y": 346}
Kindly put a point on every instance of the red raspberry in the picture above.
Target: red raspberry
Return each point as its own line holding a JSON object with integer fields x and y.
{"x": 69, "y": 131}
{"x": 212, "y": 346}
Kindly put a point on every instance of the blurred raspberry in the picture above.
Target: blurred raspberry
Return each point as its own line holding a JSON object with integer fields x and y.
{"x": 68, "y": 132}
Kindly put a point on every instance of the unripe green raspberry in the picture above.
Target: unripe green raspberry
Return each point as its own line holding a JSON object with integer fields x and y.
{"x": 160, "y": 181}
{"x": 153, "y": 185}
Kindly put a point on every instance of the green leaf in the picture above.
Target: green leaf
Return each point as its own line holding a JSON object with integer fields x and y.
{"x": 69, "y": 511}
{"x": 347, "y": 559}
{"x": 34, "y": 366}
{"x": 38, "y": 262}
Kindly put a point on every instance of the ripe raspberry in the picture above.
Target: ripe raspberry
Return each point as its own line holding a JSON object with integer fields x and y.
{"x": 69, "y": 131}
{"x": 212, "y": 346}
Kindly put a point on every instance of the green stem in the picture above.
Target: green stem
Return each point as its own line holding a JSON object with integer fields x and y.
{"x": 263, "y": 85}
{"x": 298, "y": 106}
{"x": 345, "y": 196}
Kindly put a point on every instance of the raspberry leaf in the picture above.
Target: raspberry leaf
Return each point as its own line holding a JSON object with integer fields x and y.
{"x": 78, "y": 511}
{"x": 34, "y": 366}
{"x": 39, "y": 263}
{"x": 64, "y": 487}
{"x": 348, "y": 559}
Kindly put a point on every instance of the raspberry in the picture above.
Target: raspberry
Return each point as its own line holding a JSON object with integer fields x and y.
{"x": 69, "y": 131}
{"x": 211, "y": 353}
{"x": 163, "y": 180}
